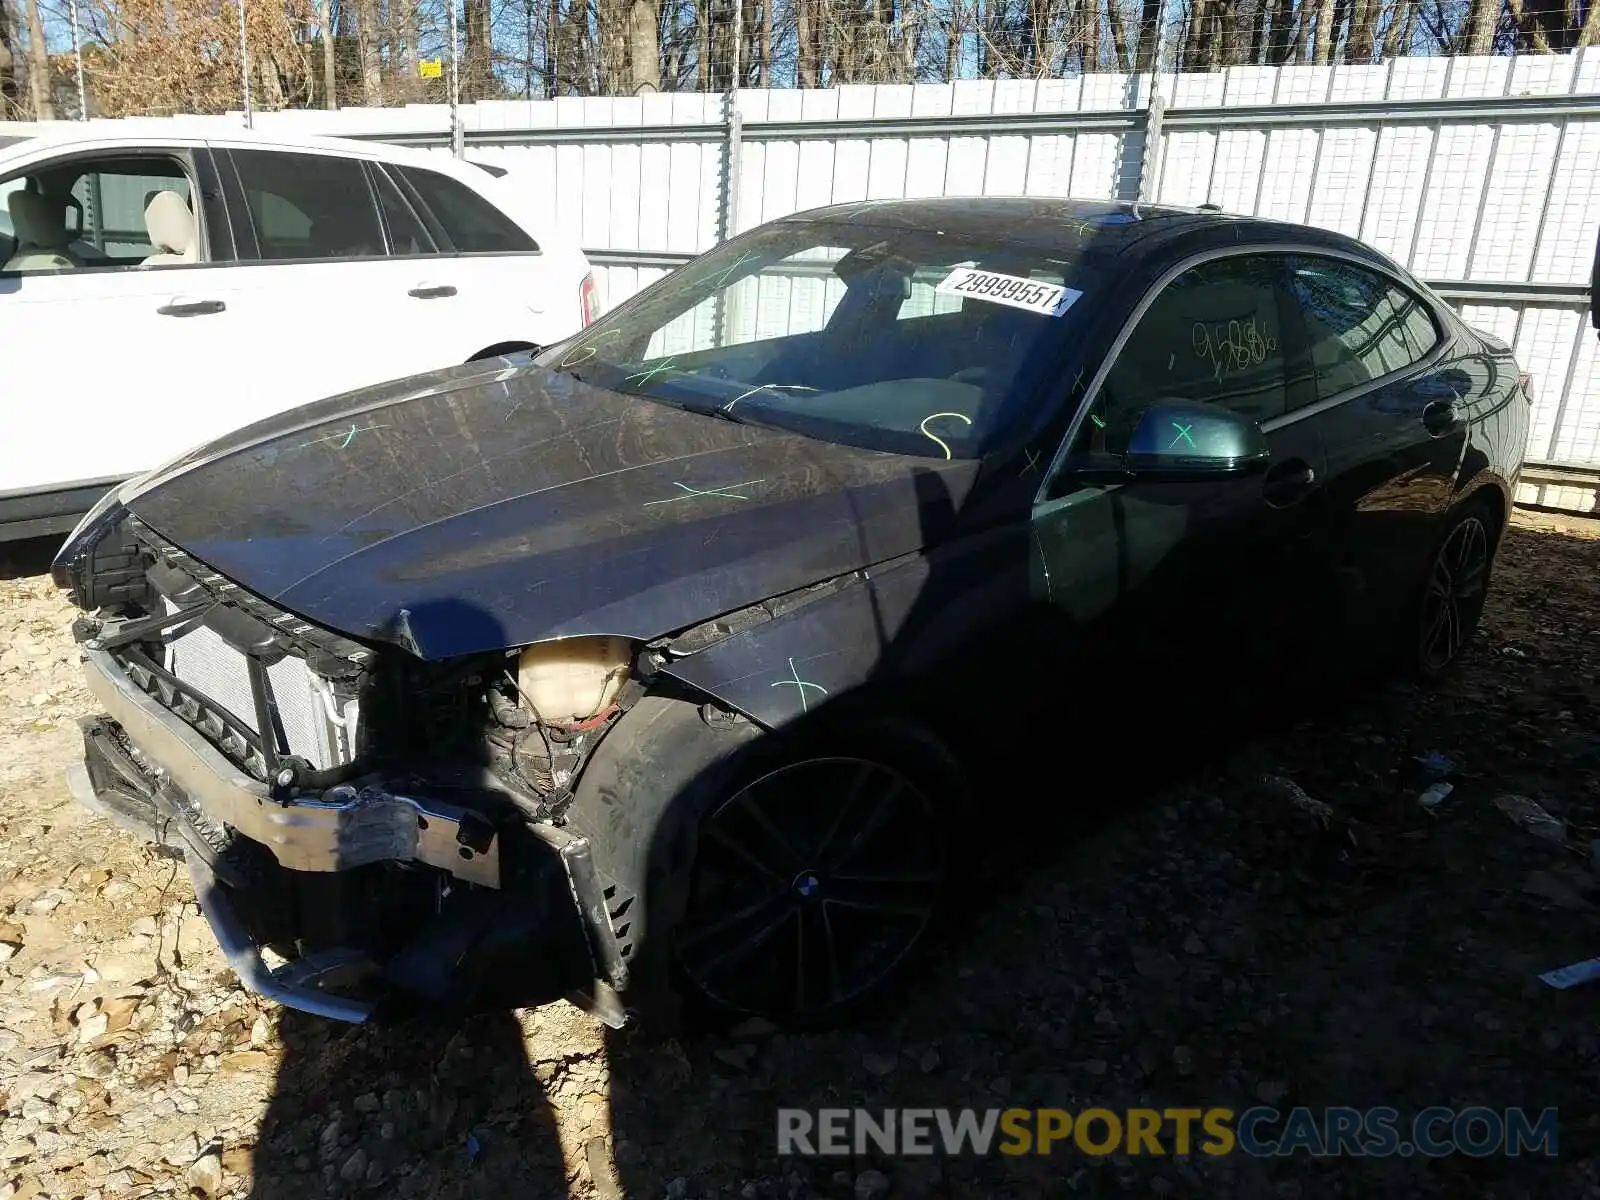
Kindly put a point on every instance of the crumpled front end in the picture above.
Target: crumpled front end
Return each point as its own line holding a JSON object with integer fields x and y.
{"x": 364, "y": 830}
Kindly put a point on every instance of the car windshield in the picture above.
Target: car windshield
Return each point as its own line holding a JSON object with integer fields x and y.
{"x": 905, "y": 340}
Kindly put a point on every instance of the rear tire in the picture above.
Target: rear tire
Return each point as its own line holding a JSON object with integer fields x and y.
{"x": 696, "y": 824}
{"x": 1444, "y": 615}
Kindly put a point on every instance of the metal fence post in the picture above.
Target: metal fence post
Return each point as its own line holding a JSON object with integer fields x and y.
{"x": 1150, "y": 156}
{"x": 77, "y": 58}
{"x": 1149, "y": 161}
{"x": 728, "y": 210}
{"x": 732, "y": 153}
{"x": 244, "y": 69}
{"x": 457, "y": 134}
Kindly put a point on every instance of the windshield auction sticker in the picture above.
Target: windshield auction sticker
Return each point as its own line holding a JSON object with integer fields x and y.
{"x": 1048, "y": 299}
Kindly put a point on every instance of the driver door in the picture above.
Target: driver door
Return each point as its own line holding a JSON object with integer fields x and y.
{"x": 1205, "y": 575}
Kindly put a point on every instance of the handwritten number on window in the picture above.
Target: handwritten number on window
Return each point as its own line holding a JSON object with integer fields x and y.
{"x": 1231, "y": 346}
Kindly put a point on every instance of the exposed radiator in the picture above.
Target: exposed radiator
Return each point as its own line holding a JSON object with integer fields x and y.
{"x": 203, "y": 660}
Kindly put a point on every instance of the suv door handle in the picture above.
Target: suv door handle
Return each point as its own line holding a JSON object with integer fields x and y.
{"x": 1288, "y": 482}
{"x": 432, "y": 291}
{"x": 1442, "y": 417}
{"x": 179, "y": 307}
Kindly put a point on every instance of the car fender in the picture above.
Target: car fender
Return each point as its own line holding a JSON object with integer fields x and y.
{"x": 916, "y": 625}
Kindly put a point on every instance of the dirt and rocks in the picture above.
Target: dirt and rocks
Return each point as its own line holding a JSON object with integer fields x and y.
{"x": 1219, "y": 942}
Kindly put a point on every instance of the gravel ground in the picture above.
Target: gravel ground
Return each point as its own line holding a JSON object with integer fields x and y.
{"x": 1206, "y": 942}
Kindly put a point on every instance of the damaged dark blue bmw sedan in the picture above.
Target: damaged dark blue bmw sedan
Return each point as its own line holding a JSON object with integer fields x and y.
{"x": 661, "y": 672}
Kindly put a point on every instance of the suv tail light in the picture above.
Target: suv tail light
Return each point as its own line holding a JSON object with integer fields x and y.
{"x": 589, "y": 298}
{"x": 1525, "y": 382}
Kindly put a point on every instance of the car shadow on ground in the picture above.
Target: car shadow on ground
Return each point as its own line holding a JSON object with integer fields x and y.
{"x": 415, "y": 1108}
{"x": 27, "y": 557}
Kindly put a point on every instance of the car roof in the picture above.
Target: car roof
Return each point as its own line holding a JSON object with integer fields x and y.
{"x": 1090, "y": 229}
{"x": 195, "y": 130}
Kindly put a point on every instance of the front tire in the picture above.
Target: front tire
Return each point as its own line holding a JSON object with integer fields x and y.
{"x": 814, "y": 884}
{"x": 790, "y": 876}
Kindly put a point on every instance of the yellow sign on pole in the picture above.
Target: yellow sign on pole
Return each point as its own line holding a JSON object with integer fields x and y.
{"x": 431, "y": 68}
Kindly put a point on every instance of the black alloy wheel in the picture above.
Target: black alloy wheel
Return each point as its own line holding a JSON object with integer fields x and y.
{"x": 1454, "y": 594}
{"x": 812, "y": 884}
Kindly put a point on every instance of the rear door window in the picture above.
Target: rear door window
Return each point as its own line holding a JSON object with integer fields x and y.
{"x": 1361, "y": 326}
{"x": 473, "y": 225}
{"x": 309, "y": 206}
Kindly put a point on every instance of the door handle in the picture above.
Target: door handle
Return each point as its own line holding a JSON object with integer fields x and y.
{"x": 432, "y": 291}
{"x": 179, "y": 307}
{"x": 1289, "y": 482}
{"x": 1442, "y": 417}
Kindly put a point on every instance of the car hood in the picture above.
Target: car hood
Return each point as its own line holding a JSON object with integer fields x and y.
{"x": 479, "y": 509}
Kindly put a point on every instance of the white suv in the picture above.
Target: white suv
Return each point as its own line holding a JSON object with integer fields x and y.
{"x": 162, "y": 283}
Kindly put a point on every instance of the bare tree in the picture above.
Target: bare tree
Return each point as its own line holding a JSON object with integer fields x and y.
{"x": 10, "y": 59}
{"x": 44, "y": 108}
{"x": 330, "y": 62}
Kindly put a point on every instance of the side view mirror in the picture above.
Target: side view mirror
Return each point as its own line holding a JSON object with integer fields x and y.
{"x": 1182, "y": 439}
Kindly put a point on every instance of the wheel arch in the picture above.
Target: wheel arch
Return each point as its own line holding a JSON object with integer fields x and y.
{"x": 1487, "y": 489}
{"x": 502, "y": 348}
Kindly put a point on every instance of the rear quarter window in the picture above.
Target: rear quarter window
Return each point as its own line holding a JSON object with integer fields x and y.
{"x": 1361, "y": 325}
{"x": 473, "y": 225}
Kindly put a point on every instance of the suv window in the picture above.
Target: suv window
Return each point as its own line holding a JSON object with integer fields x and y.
{"x": 95, "y": 214}
{"x": 309, "y": 205}
{"x": 473, "y": 225}
{"x": 1360, "y": 325}
{"x": 1213, "y": 335}
{"x": 407, "y": 235}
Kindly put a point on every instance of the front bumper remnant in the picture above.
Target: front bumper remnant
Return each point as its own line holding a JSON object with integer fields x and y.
{"x": 538, "y": 933}
{"x": 345, "y": 827}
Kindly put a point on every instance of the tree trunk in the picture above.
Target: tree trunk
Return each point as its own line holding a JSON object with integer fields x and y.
{"x": 1363, "y": 32}
{"x": 1477, "y": 35}
{"x": 702, "y": 66}
{"x": 367, "y": 50}
{"x": 644, "y": 34}
{"x": 1397, "y": 38}
{"x": 616, "y": 67}
{"x": 1258, "y": 35}
{"x": 952, "y": 45}
{"x": 411, "y": 30}
{"x": 1119, "y": 35}
{"x": 1323, "y": 42}
{"x": 766, "y": 43}
{"x": 1150, "y": 18}
{"x": 1544, "y": 26}
{"x": 1341, "y": 17}
{"x": 330, "y": 65}
{"x": 1279, "y": 37}
{"x": 8, "y": 63}
{"x": 1199, "y": 15}
{"x": 269, "y": 81}
{"x": 1589, "y": 35}
{"x": 552, "y": 50}
{"x": 479, "y": 83}
{"x": 39, "y": 66}
{"x": 1230, "y": 51}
